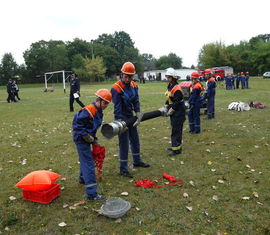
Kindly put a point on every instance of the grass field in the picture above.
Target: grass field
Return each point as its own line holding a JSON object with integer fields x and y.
{"x": 229, "y": 160}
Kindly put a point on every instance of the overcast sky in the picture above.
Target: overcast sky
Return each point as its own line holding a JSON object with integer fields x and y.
{"x": 157, "y": 27}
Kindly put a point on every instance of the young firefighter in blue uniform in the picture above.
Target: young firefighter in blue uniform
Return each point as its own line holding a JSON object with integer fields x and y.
{"x": 176, "y": 111}
{"x": 85, "y": 125}
{"x": 74, "y": 92}
{"x": 210, "y": 95}
{"x": 126, "y": 101}
{"x": 195, "y": 103}
{"x": 243, "y": 80}
{"x": 247, "y": 80}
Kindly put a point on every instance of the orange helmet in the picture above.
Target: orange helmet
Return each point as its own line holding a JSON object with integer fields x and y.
{"x": 195, "y": 75}
{"x": 128, "y": 68}
{"x": 104, "y": 94}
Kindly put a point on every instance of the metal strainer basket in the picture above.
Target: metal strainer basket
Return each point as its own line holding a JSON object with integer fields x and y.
{"x": 115, "y": 207}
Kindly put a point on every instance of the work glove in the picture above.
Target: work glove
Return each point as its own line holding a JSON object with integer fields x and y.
{"x": 163, "y": 111}
{"x": 89, "y": 139}
{"x": 139, "y": 116}
{"x": 170, "y": 112}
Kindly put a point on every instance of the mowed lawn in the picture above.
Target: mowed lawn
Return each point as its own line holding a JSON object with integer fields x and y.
{"x": 225, "y": 168}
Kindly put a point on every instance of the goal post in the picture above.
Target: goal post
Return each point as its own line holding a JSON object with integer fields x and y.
{"x": 65, "y": 75}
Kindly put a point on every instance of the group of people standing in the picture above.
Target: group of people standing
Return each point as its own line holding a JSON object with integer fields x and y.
{"x": 233, "y": 81}
{"x": 13, "y": 91}
{"x": 125, "y": 97}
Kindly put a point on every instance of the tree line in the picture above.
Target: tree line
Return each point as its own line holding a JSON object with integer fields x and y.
{"x": 252, "y": 56}
{"x": 103, "y": 57}
{"x": 93, "y": 60}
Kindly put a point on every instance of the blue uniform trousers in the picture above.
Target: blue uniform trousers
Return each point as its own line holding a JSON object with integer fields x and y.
{"x": 247, "y": 83}
{"x": 243, "y": 85}
{"x": 87, "y": 168}
{"x": 211, "y": 106}
{"x": 130, "y": 136}
{"x": 194, "y": 118}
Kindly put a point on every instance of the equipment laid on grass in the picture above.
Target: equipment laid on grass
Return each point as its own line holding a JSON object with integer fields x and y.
{"x": 115, "y": 207}
{"x": 114, "y": 128}
{"x": 42, "y": 196}
{"x": 238, "y": 106}
{"x": 257, "y": 105}
{"x": 39, "y": 186}
{"x": 38, "y": 180}
{"x": 146, "y": 183}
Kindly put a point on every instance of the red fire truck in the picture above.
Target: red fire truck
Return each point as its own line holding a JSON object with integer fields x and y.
{"x": 219, "y": 74}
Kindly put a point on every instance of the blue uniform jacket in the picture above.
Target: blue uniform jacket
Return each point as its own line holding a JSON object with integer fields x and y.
{"x": 211, "y": 88}
{"x": 195, "y": 96}
{"x": 126, "y": 99}
{"x": 86, "y": 121}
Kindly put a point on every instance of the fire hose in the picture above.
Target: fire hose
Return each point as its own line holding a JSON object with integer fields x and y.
{"x": 109, "y": 130}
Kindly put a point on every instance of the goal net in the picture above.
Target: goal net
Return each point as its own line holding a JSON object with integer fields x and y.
{"x": 56, "y": 78}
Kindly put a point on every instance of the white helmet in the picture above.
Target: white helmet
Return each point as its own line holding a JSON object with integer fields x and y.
{"x": 171, "y": 72}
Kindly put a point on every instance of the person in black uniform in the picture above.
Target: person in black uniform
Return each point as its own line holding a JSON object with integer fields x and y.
{"x": 10, "y": 92}
{"x": 15, "y": 90}
{"x": 74, "y": 92}
{"x": 176, "y": 111}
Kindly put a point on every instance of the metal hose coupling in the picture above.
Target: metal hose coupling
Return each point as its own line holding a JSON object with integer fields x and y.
{"x": 109, "y": 130}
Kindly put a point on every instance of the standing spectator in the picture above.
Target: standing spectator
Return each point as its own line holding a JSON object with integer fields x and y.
{"x": 85, "y": 125}
{"x": 74, "y": 92}
{"x": 247, "y": 80}
{"x": 233, "y": 81}
{"x": 126, "y": 101}
{"x": 238, "y": 78}
{"x": 243, "y": 80}
{"x": 176, "y": 111}
{"x": 210, "y": 95}
{"x": 16, "y": 90}
{"x": 10, "y": 91}
{"x": 195, "y": 104}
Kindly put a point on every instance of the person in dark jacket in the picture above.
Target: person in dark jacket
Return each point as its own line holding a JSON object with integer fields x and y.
{"x": 85, "y": 124}
{"x": 74, "y": 92}
{"x": 176, "y": 111}
{"x": 10, "y": 91}
{"x": 195, "y": 104}
{"x": 125, "y": 98}
{"x": 16, "y": 90}
{"x": 210, "y": 96}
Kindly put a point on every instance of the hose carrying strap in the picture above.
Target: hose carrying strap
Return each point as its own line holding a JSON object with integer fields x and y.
{"x": 146, "y": 183}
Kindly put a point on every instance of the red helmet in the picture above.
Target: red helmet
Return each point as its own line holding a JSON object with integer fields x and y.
{"x": 195, "y": 75}
{"x": 128, "y": 68}
{"x": 104, "y": 94}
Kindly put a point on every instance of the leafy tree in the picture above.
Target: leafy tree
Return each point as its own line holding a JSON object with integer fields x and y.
{"x": 172, "y": 60}
{"x": 124, "y": 47}
{"x": 96, "y": 68}
{"x": 213, "y": 55}
{"x": 148, "y": 61}
{"x": 46, "y": 56}
{"x": 8, "y": 67}
{"x": 77, "y": 61}
{"x": 79, "y": 46}
{"x": 93, "y": 69}
{"x": 111, "y": 58}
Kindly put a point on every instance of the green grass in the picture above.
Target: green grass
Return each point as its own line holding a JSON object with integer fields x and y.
{"x": 41, "y": 124}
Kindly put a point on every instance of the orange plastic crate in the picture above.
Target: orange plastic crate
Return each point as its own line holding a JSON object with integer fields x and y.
{"x": 43, "y": 196}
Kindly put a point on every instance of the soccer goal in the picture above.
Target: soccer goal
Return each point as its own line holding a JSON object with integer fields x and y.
{"x": 56, "y": 77}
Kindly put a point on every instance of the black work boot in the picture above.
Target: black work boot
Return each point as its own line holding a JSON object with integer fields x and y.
{"x": 141, "y": 164}
{"x": 175, "y": 152}
{"x": 126, "y": 174}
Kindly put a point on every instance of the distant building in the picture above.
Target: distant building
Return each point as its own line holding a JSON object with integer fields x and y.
{"x": 159, "y": 75}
